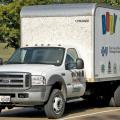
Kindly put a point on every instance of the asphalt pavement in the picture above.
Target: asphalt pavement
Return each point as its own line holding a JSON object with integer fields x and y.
{"x": 74, "y": 111}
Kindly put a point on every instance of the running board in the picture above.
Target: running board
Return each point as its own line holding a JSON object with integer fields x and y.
{"x": 74, "y": 100}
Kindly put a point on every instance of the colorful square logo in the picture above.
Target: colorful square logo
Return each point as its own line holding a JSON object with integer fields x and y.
{"x": 109, "y": 23}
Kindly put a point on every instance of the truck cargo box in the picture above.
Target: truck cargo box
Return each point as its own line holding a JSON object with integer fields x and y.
{"x": 93, "y": 30}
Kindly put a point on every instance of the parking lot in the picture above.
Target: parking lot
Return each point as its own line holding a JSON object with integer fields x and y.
{"x": 74, "y": 111}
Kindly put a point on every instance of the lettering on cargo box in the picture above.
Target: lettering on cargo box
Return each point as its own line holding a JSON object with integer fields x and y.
{"x": 114, "y": 50}
{"x": 84, "y": 20}
{"x": 110, "y": 49}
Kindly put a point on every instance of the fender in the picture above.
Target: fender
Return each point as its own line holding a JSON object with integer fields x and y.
{"x": 57, "y": 78}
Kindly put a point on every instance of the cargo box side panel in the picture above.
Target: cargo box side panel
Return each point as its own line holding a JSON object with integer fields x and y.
{"x": 71, "y": 30}
{"x": 107, "y": 44}
{"x": 54, "y": 30}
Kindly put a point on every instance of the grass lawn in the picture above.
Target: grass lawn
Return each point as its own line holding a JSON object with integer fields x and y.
{"x": 5, "y": 53}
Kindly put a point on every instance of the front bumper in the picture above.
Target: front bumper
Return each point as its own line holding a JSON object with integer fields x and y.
{"x": 37, "y": 95}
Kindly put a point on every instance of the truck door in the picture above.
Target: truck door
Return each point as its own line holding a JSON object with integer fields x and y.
{"x": 74, "y": 77}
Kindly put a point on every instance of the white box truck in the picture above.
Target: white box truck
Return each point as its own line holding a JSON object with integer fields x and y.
{"x": 68, "y": 51}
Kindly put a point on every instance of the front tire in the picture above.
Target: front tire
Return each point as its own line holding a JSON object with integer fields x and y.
{"x": 56, "y": 105}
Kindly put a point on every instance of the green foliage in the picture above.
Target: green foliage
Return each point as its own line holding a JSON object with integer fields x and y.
{"x": 5, "y": 53}
{"x": 10, "y": 20}
{"x": 10, "y": 16}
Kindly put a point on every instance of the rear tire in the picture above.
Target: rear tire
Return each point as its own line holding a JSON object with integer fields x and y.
{"x": 55, "y": 106}
{"x": 112, "y": 102}
{"x": 117, "y": 97}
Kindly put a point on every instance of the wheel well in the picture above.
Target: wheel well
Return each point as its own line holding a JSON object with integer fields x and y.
{"x": 60, "y": 86}
{"x": 57, "y": 85}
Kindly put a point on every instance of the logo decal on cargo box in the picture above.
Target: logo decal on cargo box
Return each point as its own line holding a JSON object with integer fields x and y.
{"x": 109, "y": 23}
{"x": 109, "y": 67}
{"x": 104, "y": 51}
{"x": 115, "y": 68}
{"x": 103, "y": 68}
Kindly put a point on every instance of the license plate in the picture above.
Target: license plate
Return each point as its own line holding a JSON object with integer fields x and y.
{"x": 4, "y": 99}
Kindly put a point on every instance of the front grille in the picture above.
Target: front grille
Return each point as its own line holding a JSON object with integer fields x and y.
{"x": 11, "y": 76}
{"x": 12, "y": 86}
{"x": 15, "y": 80}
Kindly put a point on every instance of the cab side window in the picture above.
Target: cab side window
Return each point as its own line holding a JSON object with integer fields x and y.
{"x": 70, "y": 62}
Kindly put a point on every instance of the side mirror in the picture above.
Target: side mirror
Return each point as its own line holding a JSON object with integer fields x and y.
{"x": 1, "y": 61}
{"x": 79, "y": 63}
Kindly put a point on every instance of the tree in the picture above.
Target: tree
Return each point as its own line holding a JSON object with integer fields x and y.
{"x": 10, "y": 16}
{"x": 10, "y": 21}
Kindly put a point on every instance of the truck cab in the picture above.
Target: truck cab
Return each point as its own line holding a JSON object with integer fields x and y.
{"x": 32, "y": 73}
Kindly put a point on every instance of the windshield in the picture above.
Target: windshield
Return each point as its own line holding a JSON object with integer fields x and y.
{"x": 37, "y": 55}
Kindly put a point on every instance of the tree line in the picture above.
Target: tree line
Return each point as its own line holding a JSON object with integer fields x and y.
{"x": 10, "y": 16}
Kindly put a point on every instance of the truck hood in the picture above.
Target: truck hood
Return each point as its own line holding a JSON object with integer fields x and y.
{"x": 34, "y": 69}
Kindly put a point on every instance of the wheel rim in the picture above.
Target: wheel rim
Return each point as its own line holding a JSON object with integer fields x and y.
{"x": 57, "y": 104}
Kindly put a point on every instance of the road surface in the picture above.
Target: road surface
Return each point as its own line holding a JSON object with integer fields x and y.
{"x": 74, "y": 111}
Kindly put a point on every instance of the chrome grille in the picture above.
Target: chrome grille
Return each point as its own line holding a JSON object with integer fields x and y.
{"x": 15, "y": 80}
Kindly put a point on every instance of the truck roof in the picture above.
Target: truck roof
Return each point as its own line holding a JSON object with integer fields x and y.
{"x": 86, "y": 9}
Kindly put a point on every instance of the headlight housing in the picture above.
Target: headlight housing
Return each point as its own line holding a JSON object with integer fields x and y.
{"x": 38, "y": 80}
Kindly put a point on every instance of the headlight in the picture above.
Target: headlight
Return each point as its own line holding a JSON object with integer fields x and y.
{"x": 38, "y": 80}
